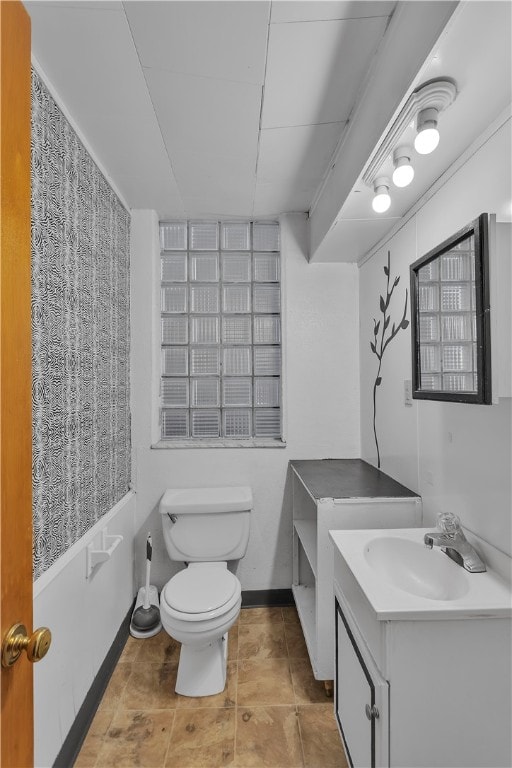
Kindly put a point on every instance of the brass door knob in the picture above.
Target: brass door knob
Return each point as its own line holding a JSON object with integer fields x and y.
{"x": 16, "y": 640}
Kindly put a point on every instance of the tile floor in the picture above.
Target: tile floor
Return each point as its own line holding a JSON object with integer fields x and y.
{"x": 273, "y": 712}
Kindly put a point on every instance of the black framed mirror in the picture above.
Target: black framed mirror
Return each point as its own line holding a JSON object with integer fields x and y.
{"x": 450, "y": 314}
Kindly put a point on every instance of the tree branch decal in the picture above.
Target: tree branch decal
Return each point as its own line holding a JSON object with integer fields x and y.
{"x": 379, "y": 345}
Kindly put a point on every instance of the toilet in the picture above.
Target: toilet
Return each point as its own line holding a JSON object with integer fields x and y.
{"x": 204, "y": 528}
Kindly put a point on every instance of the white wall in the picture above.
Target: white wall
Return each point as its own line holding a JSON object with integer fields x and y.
{"x": 84, "y": 616}
{"x": 457, "y": 456}
{"x": 321, "y": 399}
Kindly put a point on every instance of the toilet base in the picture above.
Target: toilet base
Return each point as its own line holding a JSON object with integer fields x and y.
{"x": 202, "y": 671}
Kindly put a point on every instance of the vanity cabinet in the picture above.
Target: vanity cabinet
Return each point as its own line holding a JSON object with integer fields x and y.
{"x": 420, "y": 692}
{"x": 336, "y": 494}
{"x": 361, "y": 698}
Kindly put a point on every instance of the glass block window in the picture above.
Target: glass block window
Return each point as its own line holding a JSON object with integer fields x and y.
{"x": 220, "y": 330}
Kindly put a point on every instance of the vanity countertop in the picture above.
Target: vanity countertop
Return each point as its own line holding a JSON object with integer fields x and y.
{"x": 410, "y": 581}
{"x": 347, "y": 479}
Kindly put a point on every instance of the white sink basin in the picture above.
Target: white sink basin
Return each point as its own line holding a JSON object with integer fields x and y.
{"x": 410, "y": 566}
{"x": 402, "y": 579}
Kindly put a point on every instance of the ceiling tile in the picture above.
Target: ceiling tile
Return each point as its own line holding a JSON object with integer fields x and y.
{"x": 284, "y": 11}
{"x": 198, "y": 114}
{"x": 299, "y": 155}
{"x": 210, "y": 183}
{"x": 314, "y": 70}
{"x": 199, "y": 171}
{"x": 105, "y": 94}
{"x": 224, "y": 40}
{"x": 144, "y": 159}
{"x": 96, "y": 5}
{"x": 160, "y": 193}
{"x": 271, "y": 199}
{"x": 224, "y": 205}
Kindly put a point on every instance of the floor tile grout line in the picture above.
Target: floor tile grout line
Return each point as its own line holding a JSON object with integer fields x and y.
{"x": 286, "y": 642}
{"x": 170, "y": 740}
{"x": 300, "y": 738}
{"x": 236, "y": 715}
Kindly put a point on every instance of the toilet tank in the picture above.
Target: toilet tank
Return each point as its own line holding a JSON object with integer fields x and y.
{"x": 211, "y": 524}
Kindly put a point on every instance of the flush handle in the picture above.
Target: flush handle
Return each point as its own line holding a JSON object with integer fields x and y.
{"x": 372, "y": 713}
{"x": 17, "y": 640}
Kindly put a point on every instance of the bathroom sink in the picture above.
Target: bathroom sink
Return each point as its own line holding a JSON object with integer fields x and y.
{"x": 410, "y": 566}
{"x": 401, "y": 578}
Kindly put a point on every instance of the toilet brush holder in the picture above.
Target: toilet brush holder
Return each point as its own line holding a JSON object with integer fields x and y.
{"x": 145, "y": 620}
{"x": 139, "y": 618}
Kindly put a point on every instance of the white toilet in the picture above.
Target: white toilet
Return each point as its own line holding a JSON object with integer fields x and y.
{"x": 203, "y": 527}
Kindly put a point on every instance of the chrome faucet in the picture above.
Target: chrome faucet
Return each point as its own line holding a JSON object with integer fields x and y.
{"x": 452, "y": 541}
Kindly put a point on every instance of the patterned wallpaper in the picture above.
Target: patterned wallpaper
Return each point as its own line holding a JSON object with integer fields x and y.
{"x": 81, "y": 336}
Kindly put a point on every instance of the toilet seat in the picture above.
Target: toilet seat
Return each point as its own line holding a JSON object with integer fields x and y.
{"x": 201, "y": 591}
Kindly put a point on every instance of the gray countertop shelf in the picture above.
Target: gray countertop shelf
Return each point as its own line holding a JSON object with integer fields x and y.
{"x": 347, "y": 479}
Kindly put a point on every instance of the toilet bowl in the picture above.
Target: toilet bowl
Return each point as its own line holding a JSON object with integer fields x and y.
{"x": 198, "y": 606}
{"x": 203, "y": 527}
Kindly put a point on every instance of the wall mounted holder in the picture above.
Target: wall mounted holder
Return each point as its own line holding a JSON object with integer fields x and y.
{"x": 96, "y": 556}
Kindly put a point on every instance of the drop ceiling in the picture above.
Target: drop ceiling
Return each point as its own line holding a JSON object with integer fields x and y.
{"x": 249, "y": 108}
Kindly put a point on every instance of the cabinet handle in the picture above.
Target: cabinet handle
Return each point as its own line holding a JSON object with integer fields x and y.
{"x": 372, "y": 713}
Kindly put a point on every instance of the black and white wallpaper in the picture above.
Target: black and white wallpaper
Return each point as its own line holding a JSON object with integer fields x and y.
{"x": 81, "y": 336}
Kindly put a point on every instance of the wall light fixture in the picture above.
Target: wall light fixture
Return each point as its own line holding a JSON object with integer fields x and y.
{"x": 424, "y": 105}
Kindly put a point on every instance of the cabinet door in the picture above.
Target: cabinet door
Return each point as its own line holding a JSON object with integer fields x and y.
{"x": 361, "y": 700}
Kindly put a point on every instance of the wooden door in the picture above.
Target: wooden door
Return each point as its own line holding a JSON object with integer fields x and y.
{"x": 16, "y": 720}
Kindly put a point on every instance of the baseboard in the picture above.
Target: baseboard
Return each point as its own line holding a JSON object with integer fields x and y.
{"x": 260, "y": 598}
{"x": 78, "y": 731}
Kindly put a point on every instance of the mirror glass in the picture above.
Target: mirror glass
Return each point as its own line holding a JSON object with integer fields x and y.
{"x": 450, "y": 318}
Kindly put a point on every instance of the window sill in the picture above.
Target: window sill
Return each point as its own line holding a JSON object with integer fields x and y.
{"x": 219, "y": 443}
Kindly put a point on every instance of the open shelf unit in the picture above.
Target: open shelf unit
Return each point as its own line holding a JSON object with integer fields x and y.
{"x": 306, "y": 533}
{"x": 334, "y": 494}
{"x": 305, "y": 600}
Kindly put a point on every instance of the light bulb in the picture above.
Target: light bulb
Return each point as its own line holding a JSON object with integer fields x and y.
{"x": 404, "y": 172}
{"x": 381, "y": 200}
{"x": 427, "y": 137}
{"x": 403, "y": 175}
{"x": 426, "y": 141}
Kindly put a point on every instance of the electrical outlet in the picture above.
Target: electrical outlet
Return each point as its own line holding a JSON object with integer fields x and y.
{"x": 408, "y": 393}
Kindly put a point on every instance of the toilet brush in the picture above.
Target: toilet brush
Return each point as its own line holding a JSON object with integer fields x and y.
{"x": 146, "y": 615}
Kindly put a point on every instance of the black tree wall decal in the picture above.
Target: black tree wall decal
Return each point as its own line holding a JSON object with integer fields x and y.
{"x": 378, "y": 346}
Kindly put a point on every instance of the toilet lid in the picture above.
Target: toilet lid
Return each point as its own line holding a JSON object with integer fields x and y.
{"x": 198, "y": 590}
